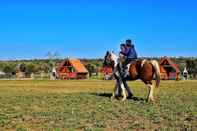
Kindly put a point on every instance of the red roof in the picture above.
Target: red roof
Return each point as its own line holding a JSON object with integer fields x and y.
{"x": 79, "y": 67}
{"x": 171, "y": 63}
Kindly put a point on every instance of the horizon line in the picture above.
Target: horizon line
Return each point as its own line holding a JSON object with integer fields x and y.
{"x": 89, "y": 58}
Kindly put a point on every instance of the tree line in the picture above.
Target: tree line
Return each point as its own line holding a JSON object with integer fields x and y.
{"x": 38, "y": 66}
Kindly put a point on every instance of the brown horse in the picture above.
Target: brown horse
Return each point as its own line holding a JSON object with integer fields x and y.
{"x": 139, "y": 69}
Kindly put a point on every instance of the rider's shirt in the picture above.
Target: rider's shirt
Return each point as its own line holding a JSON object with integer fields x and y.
{"x": 131, "y": 53}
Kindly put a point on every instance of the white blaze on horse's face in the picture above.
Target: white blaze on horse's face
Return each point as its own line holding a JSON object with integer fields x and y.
{"x": 114, "y": 58}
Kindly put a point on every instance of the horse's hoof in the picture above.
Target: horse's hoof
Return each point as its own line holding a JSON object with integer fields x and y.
{"x": 150, "y": 100}
{"x": 113, "y": 98}
{"x": 124, "y": 99}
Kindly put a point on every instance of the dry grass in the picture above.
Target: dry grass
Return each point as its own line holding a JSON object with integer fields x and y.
{"x": 86, "y": 105}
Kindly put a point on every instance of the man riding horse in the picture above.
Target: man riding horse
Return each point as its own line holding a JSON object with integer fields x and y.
{"x": 128, "y": 55}
{"x": 127, "y": 67}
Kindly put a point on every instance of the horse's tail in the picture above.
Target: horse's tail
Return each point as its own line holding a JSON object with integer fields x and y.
{"x": 157, "y": 72}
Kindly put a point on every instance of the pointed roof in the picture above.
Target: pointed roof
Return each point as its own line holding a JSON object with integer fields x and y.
{"x": 171, "y": 63}
{"x": 76, "y": 63}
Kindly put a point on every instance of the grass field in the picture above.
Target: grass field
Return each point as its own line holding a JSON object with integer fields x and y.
{"x": 86, "y": 105}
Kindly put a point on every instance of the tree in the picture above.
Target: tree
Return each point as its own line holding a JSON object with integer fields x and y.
{"x": 52, "y": 56}
{"x": 191, "y": 68}
{"x": 30, "y": 68}
{"x": 90, "y": 69}
{"x": 45, "y": 67}
{"x": 22, "y": 67}
{"x": 9, "y": 70}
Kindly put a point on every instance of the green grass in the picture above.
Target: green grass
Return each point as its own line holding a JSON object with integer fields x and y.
{"x": 86, "y": 105}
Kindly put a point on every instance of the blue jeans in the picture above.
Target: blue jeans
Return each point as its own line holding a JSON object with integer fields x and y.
{"x": 124, "y": 72}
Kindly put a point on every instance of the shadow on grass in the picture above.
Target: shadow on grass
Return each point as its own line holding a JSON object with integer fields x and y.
{"x": 137, "y": 98}
{"x": 108, "y": 95}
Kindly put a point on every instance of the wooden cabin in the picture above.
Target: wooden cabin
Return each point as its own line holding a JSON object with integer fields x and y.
{"x": 169, "y": 69}
{"x": 72, "y": 69}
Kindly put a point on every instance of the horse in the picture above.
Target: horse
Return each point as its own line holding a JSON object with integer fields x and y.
{"x": 144, "y": 70}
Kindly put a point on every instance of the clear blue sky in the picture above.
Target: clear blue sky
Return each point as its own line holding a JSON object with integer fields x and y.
{"x": 87, "y": 28}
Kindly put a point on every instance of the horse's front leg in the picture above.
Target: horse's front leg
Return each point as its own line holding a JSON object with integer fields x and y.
{"x": 118, "y": 90}
{"x": 115, "y": 91}
{"x": 123, "y": 91}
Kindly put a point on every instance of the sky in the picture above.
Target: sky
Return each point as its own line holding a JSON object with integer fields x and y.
{"x": 88, "y": 28}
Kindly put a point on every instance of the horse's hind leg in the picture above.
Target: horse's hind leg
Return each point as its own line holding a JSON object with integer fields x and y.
{"x": 151, "y": 92}
{"x": 117, "y": 91}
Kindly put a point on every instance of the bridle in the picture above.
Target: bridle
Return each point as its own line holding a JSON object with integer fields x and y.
{"x": 108, "y": 61}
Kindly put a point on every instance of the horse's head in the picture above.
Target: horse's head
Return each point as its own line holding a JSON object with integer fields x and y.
{"x": 110, "y": 59}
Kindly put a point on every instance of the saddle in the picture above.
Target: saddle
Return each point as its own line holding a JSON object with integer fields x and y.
{"x": 132, "y": 67}
{"x": 129, "y": 69}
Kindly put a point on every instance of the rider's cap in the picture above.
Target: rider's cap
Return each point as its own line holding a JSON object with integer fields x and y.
{"x": 123, "y": 44}
{"x": 128, "y": 42}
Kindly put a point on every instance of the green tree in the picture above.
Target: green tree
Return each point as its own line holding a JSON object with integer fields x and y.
{"x": 9, "y": 70}
{"x": 90, "y": 69}
{"x": 45, "y": 67}
{"x": 30, "y": 68}
{"x": 191, "y": 68}
{"x": 22, "y": 67}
